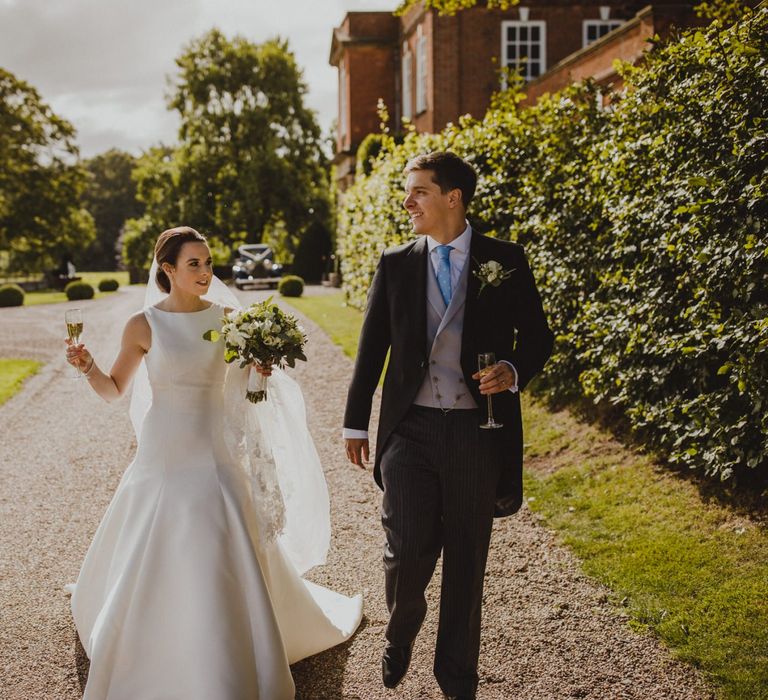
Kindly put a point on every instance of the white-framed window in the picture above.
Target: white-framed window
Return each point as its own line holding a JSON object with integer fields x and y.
{"x": 421, "y": 72}
{"x": 524, "y": 47}
{"x": 343, "y": 104}
{"x": 407, "y": 83}
{"x": 594, "y": 29}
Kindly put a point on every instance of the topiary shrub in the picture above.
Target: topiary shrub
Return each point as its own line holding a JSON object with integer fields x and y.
{"x": 108, "y": 285}
{"x": 79, "y": 290}
{"x": 11, "y": 295}
{"x": 291, "y": 286}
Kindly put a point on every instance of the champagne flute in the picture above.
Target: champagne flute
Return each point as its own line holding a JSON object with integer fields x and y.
{"x": 74, "y": 320}
{"x": 485, "y": 363}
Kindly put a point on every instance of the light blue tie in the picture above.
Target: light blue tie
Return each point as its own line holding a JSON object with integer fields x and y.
{"x": 444, "y": 272}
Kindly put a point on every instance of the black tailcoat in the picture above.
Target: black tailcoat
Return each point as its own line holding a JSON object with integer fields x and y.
{"x": 507, "y": 320}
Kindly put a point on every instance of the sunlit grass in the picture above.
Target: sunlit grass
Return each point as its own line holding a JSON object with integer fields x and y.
{"x": 36, "y": 298}
{"x": 339, "y": 321}
{"x": 13, "y": 372}
{"x": 93, "y": 278}
{"x": 692, "y": 572}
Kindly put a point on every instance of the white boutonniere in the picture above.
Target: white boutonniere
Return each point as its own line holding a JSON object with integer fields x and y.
{"x": 491, "y": 273}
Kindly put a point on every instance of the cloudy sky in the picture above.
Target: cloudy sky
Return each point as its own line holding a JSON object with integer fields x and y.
{"x": 102, "y": 64}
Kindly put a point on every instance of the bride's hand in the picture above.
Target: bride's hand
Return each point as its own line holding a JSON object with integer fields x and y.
{"x": 263, "y": 370}
{"x": 78, "y": 356}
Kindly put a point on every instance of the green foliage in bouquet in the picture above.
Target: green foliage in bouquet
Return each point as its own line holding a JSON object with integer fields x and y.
{"x": 11, "y": 295}
{"x": 262, "y": 333}
{"x": 79, "y": 290}
{"x": 645, "y": 226}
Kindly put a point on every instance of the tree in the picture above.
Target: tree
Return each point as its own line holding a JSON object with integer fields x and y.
{"x": 157, "y": 189}
{"x": 40, "y": 180}
{"x": 251, "y": 152}
{"x": 451, "y": 7}
{"x": 110, "y": 197}
{"x": 727, "y": 11}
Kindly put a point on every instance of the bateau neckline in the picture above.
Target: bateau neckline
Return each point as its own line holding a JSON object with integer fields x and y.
{"x": 183, "y": 313}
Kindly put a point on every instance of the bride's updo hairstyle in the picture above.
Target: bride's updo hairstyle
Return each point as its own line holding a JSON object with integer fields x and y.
{"x": 167, "y": 250}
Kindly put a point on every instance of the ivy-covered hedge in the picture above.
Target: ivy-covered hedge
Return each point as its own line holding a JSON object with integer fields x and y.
{"x": 645, "y": 225}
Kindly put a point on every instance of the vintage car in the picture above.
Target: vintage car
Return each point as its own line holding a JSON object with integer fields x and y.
{"x": 255, "y": 266}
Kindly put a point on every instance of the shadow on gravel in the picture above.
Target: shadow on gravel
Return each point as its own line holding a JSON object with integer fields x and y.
{"x": 82, "y": 663}
{"x": 321, "y": 677}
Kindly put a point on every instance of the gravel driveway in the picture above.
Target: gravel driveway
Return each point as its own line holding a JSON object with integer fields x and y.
{"x": 549, "y": 632}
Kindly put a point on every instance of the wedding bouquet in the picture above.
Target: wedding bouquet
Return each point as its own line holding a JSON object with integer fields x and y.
{"x": 263, "y": 334}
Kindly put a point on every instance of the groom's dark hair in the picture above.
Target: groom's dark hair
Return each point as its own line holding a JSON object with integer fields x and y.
{"x": 449, "y": 172}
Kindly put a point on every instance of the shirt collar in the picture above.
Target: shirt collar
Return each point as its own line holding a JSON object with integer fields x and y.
{"x": 460, "y": 244}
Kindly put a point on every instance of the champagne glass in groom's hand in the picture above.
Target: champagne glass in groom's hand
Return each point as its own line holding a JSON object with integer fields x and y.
{"x": 485, "y": 363}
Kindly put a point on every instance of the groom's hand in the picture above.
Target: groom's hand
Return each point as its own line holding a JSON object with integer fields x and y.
{"x": 357, "y": 451}
{"x": 499, "y": 378}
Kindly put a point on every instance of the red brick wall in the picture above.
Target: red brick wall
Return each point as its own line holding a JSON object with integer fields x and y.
{"x": 372, "y": 25}
{"x": 367, "y": 48}
{"x": 626, "y": 44}
{"x": 370, "y": 72}
{"x": 465, "y": 52}
{"x": 464, "y": 56}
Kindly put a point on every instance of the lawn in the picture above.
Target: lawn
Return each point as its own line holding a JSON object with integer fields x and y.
{"x": 12, "y": 376}
{"x": 339, "y": 321}
{"x": 93, "y": 278}
{"x": 693, "y": 573}
{"x": 48, "y": 297}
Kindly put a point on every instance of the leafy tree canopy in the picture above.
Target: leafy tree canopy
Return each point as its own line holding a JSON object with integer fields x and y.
{"x": 250, "y": 155}
{"x": 727, "y": 11}
{"x": 40, "y": 181}
{"x": 110, "y": 197}
{"x": 451, "y": 7}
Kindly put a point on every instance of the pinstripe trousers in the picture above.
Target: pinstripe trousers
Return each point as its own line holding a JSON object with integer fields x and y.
{"x": 439, "y": 473}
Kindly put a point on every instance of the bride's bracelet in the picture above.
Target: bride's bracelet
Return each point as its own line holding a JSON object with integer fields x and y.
{"x": 90, "y": 369}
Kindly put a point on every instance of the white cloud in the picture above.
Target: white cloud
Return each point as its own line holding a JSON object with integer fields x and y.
{"x": 102, "y": 64}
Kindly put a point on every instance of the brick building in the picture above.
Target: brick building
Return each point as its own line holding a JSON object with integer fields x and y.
{"x": 431, "y": 69}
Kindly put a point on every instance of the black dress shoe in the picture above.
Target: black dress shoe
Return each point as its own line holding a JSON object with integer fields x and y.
{"x": 395, "y": 663}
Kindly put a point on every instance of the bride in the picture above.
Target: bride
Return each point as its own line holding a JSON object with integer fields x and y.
{"x": 192, "y": 588}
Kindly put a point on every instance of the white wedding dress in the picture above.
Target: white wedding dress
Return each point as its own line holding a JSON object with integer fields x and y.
{"x": 181, "y": 596}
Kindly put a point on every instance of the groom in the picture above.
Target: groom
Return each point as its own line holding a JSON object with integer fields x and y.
{"x": 434, "y": 306}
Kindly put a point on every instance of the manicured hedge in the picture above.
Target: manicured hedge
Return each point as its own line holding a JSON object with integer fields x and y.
{"x": 108, "y": 285}
{"x": 76, "y": 291}
{"x": 291, "y": 286}
{"x": 645, "y": 225}
{"x": 11, "y": 295}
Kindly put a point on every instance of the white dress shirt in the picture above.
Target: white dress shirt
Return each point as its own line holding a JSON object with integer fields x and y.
{"x": 458, "y": 258}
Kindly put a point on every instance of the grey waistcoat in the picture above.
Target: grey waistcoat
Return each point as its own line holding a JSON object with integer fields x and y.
{"x": 444, "y": 381}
